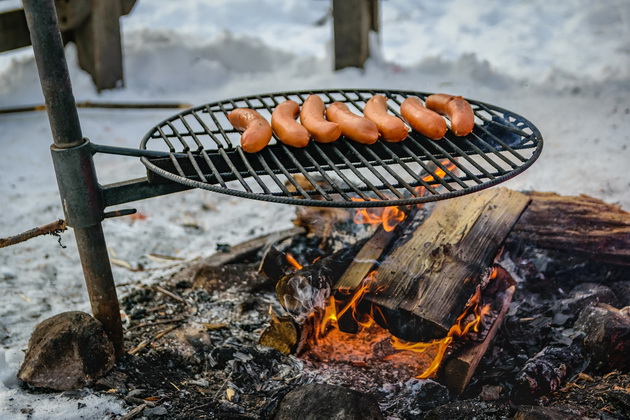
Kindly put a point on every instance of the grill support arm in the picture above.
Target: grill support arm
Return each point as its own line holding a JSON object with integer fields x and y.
{"x": 74, "y": 167}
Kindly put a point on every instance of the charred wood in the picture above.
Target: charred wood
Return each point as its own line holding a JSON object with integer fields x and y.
{"x": 547, "y": 371}
{"x": 427, "y": 279}
{"x": 607, "y": 338}
{"x": 581, "y": 225}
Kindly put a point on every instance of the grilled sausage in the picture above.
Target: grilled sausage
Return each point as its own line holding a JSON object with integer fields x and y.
{"x": 457, "y": 109}
{"x": 391, "y": 128}
{"x": 312, "y": 118}
{"x": 352, "y": 126}
{"x": 422, "y": 119}
{"x": 288, "y": 130}
{"x": 256, "y": 130}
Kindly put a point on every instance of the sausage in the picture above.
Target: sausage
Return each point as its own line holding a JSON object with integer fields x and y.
{"x": 256, "y": 130}
{"x": 312, "y": 118}
{"x": 352, "y": 126}
{"x": 391, "y": 128}
{"x": 457, "y": 109}
{"x": 288, "y": 130}
{"x": 422, "y": 119}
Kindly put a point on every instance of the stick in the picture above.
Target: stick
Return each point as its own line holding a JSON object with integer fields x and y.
{"x": 54, "y": 228}
{"x": 102, "y": 105}
{"x": 169, "y": 294}
{"x": 133, "y": 413}
{"x": 157, "y": 336}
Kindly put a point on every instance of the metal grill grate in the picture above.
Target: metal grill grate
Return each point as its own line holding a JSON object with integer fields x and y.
{"x": 201, "y": 150}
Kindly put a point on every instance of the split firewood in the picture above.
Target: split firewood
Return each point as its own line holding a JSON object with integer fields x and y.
{"x": 460, "y": 366}
{"x": 430, "y": 275}
{"x": 547, "y": 371}
{"x": 581, "y": 225}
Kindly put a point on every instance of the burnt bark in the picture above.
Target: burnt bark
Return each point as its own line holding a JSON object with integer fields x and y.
{"x": 580, "y": 225}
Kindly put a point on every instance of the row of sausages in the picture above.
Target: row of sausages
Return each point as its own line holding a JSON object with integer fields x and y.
{"x": 325, "y": 125}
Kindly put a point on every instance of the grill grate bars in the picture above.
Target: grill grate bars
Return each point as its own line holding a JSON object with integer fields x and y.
{"x": 202, "y": 151}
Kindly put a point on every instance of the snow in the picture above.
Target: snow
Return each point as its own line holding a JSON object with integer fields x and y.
{"x": 563, "y": 65}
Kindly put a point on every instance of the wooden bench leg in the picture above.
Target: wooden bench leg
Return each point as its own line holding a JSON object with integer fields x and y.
{"x": 99, "y": 44}
{"x": 352, "y": 22}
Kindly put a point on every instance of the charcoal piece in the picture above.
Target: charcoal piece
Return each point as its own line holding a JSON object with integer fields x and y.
{"x": 607, "y": 338}
{"x": 321, "y": 401}
{"x": 306, "y": 290}
{"x": 418, "y": 396}
{"x": 547, "y": 371}
{"x": 529, "y": 412}
{"x": 470, "y": 409}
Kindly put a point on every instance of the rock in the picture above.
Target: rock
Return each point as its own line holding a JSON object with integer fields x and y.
{"x": 321, "y": 401}
{"x": 607, "y": 338}
{"x": 532, "y": 412}
{"x": 68, "y": 351}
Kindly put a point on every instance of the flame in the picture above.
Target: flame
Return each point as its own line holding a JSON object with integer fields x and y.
{"x": 460, "y": 328}
{"x": 291, "y": 260}
{"x": 439, "y": 173}
{"x": 388, "y": 217}
{"x": 332, "y": 313}
{"x": 327, "y": 334}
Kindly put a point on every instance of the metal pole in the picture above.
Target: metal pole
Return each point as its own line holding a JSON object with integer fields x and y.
{"x": 81, "y": 195}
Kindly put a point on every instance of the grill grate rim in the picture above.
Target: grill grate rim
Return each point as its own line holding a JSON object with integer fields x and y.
{"x": 201, "y": 145}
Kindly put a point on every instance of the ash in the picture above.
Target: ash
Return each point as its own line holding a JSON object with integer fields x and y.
{"x": 195, "y": 353}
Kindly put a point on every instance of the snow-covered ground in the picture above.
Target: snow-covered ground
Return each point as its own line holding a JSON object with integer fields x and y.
{"x": 563, "y": 65}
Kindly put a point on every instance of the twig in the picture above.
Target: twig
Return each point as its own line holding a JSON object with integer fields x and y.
{"x": 133, "y": 413}
{"x": 102, "y": 105}
{"x": 157, "y": 336}
{"x": 54, "y": 228}
{"x": 170, "y": 294}
{"x": 158, "y": 322}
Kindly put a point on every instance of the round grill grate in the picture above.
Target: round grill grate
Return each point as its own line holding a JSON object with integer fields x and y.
{"x": 203, "y": 152}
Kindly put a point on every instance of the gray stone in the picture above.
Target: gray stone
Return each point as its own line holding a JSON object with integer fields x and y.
{"x": 330, "y": 402}
{"x": 68, "y": 351}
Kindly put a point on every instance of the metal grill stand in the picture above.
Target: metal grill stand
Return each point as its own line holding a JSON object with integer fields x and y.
{"x": 74, "y": 167}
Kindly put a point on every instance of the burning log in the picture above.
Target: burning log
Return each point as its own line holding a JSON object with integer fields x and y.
{"x": 462, "y": 363}
{"x": 426, "y": 281}
{"x": 582, "y": 225}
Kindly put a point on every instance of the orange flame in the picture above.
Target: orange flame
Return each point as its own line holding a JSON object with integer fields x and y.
{"x": 332, "y": 314}
{"x": 291, "y": 260}
{"x": 389, "y": 217}
{"x": 459, "y": 329}
{"x": 439, "y": 173}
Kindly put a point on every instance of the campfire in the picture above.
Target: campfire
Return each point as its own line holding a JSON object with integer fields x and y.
{"x": 516, "y": 341}
{"x": 343, "y": 304}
